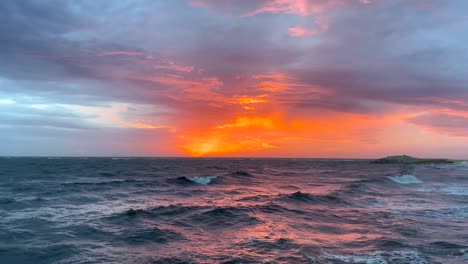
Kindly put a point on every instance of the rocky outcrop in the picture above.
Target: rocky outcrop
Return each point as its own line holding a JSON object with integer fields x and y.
{"x": 410, "y": 160}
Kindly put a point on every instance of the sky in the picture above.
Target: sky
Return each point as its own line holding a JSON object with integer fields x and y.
{"x": 260, "y": 78}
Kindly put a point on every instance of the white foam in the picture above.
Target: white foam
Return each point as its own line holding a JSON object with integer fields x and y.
{"x": 201, "y": 179}
{"x": 462, "y": 164}
{"x": 367, "y": 259}
{"x": 455, "y": 189}
{"x": 378, "y": 257}
{"x": 405, "y": 179}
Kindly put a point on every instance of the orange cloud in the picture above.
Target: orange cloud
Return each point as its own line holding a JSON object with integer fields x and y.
{"x": 321, "y": 25}
{"x": 249, "y": 99}
{"x": 301, "y": 32}
{"x": 174, "y": 67}
{"x": 277, "y": 134}
{"x": 279, "y": 82}
{"x": 244, "y": 134}
{"x": 217, "y": 145}
{"x": 140, "y": 125}
{"x": 242, "y": 121}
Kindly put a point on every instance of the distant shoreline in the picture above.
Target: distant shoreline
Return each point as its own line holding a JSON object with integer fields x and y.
{"x": 404, "y": 159}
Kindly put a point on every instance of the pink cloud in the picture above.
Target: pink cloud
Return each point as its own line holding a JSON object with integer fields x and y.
{"x": 302, "y": 32}
{"x": 444, "y": 123}
{"x": 120, "y": 52}
{"x": 175, "y": 67}
{"x": 298, "y": 7}
{"x": 198, "y": 3}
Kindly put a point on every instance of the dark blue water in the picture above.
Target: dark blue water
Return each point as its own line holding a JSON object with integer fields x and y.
{"x": 104, "y": 210}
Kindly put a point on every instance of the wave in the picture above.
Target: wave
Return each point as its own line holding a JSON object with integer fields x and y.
{"x": 41, "y": 253}
{"x": 360, "y": 187}
{"x": 174, "y": 210}
{"x": 216, "y": 167}
{"x": 462, "y": 165}
{"x": 107, "y": 174}
{"x": 159, "y": 212}
{"x": 312, "y": 198}
{"x": 133, "y": 212}
{"x": 405, "y": 179}
{"x": 174, "y": 260}
{"x": 245, "y": 213}
{"x": 151, "y": 235}
{"x": 191, "y": 180}
{"x": 224, "y": 217}
{"x": 267, "y": 244}
{"x": 204, "y": 180}
{"x": 379, "y": 257}
{"x": 455, "y": 190}
{"x": 241, "y": 174}
{"x": 447, "y": 245}
{"x": 7, "y": 200}
{"x": 104, "y": 183}
{"x": 454, "y": 213}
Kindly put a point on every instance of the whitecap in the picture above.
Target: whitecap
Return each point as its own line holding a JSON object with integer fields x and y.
{"x": 202, "y": 179}
{"x": 462, "y": 164}
{"x": 455, "y": 189}
{"x": 379, "y": 257}
{"x": 355, "y": 258}
{"x": 405, "y": 179}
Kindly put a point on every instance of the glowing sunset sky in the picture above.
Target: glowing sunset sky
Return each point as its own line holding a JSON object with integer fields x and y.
{"x": 271, "y": 78}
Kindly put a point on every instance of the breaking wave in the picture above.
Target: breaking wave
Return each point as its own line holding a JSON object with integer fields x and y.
{"x": 392, "y": 257}
{"x": 405, "y": 179}
{"x": 204, "y": 180}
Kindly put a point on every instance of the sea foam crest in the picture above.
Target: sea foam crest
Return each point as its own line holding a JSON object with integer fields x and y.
{"x": 463, "y": 164}
{"x": 455, "y": 189}
{"x": 202, "y": 179}
{"x": 410, "y": 257}
{"x": 405, "y": 179}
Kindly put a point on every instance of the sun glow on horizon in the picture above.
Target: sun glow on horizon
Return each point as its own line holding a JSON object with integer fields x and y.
{"x": 279, "y": 78}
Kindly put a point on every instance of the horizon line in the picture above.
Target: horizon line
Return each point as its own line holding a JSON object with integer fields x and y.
{"x": 206, "y": 157}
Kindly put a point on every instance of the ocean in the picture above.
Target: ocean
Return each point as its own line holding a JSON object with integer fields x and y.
{"x": 223, "y": 210}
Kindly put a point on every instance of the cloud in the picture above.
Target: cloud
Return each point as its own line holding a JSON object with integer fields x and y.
{"x": 301, "y": 32}
{"x": 120, "y": 52}
{"x": 297, "y": 7}
{"x": 244, "y": 72}
{"x": 449, "y": 124}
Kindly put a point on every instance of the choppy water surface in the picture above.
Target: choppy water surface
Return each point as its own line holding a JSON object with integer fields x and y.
{"x": 103, "y": 210}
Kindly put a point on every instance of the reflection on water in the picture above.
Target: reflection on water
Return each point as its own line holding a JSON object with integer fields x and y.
{"x": 99, "y": 210}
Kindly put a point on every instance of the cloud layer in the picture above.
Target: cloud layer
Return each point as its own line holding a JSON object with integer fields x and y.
{"x": 306, "y": 78}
